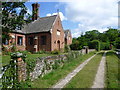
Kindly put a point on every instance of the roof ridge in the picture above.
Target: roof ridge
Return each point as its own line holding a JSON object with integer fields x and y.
{"x": 46, "y": 16}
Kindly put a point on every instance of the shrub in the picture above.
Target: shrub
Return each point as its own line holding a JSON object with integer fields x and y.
{"x": 95, "y": 44}
{"x": 56, "y": 65}
{"x": 105, "y": 46}
{"x": 55, "y": 52}
{"x": 13, "y": 48}
{"x": 31, "y": 63}
{"x": 24, "y": 84}
{"x": 5, "y": 51}
{"x": 67, "y": 48}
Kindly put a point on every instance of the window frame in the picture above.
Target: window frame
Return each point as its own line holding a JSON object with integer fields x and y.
{"x": 58, "y": 31}
{"x": 20, "y": 43}
{"x": 30, "y": 39}
{"x": 6, "y": 42}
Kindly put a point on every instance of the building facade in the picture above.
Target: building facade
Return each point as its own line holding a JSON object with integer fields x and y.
{"x": 68, "y": 37}
{"x": 44, "y": 33}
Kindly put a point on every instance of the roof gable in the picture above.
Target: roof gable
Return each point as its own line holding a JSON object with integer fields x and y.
{"x": 67, "y": 33}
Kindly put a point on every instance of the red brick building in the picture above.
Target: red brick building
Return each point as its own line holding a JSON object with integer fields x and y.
{"x": 68, "y": 37}
{"x": 44, "y": 33}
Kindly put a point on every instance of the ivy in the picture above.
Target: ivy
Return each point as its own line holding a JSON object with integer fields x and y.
{"x": 30, "y": 66}
{"x": 10, "y": 72}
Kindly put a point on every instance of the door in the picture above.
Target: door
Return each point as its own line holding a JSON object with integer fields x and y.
{"x": 58, "y": 45}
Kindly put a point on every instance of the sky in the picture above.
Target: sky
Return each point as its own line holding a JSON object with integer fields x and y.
{"x": 81, "y": 15}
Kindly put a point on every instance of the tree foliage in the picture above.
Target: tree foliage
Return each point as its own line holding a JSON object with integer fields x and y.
{"x": 111, "y": 37}
{"x": 13, "y": 16}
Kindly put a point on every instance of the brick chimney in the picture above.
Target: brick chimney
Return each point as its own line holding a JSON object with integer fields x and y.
{"x": 35, "y": 11}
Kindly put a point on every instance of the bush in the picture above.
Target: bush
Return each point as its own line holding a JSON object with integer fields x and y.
{"x": 31, "y": 63}
{"x": 6, "y": 53}
{"x": 13, "y": 49}
{"x": 24, "y": 84}
{"x": 95, "y": 44}
{"x": 105, "y": 46}
{"x": 75, "y": 46}
{"x": 56, "y": 65}
{"x": 55, "y": 52}
{"x": 67, "y": 48}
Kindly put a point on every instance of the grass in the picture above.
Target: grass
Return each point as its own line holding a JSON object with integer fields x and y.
{"x": 112, "y": 70}
{"x": 85, "y": 78}
{"x": 6, "y": 59}
{"x": 53, "y": 77}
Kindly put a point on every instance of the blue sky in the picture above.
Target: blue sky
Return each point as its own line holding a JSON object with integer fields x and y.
{"x": 82, "y": 15}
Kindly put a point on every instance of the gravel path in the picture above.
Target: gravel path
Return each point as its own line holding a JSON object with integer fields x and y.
{"x": 99, "y": 79}
{"x": 65, "y": 80}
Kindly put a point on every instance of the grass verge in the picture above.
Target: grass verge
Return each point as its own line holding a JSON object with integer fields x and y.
{"x": 112, "y": 70}
{"x": 85, "y": 78}
{"x": 53, "y": 77}
{"x": 6, "y": 59}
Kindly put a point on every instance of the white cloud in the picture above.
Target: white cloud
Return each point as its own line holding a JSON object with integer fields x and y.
{"x": 62, "y": 17}
{"x": 82, "y": 29}
{"x": 92, "y": 14}
{"x": 49, "y": 14}
{"x": 76, "y": 34}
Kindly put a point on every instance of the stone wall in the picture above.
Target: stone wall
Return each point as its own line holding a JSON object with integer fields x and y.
{"x": 83, "y": 51}
{"x": 91, "y": 50}
{"x": 45, "y": 65}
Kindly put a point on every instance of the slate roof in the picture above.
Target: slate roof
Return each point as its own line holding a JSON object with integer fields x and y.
{"x": 40, "y": 25}
{"x": 67, "y": 33}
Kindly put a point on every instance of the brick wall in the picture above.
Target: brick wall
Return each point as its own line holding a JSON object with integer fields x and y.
{"x": 13, "y": 40}
{"x": 23, "y": 46}
{"x": 37, "y": 41}
{"x": 68, "y": 40}
{"x": 56, "y": 39}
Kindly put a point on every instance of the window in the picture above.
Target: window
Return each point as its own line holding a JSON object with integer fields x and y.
{"x": 43, "y": 40}
{"x": 6, "y": 42}
{"x": 20, "y": 40}
{"x": 69, "y": 37}
{"x": 58, "y": 32}
{"x": 30, "y": 40}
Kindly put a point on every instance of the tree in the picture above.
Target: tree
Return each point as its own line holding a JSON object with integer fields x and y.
{"x": 117, "y": 43}
{"x": 92, "y": 35}
{"x": 96, "y": 44}
{"x": 75, "y": 45}
{"x": 13, "y": 14}
{"x": 112, "y": 34}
